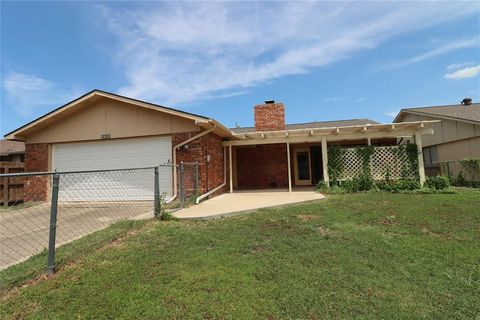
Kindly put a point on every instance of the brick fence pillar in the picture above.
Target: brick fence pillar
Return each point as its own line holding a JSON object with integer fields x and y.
{"x": 36, "y": 160}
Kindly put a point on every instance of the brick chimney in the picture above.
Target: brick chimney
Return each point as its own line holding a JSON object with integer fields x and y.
{"x": 269, "y": 116}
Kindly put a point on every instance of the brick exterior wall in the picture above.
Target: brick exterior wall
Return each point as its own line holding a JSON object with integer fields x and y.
{"x": 262, "y": 166}
{"x": 36, "y": 160}
{"x": 211, "y": 173}
{"x": 269, "y": 117}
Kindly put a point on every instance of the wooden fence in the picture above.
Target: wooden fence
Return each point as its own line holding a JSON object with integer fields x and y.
{"x": 11, "y": 189}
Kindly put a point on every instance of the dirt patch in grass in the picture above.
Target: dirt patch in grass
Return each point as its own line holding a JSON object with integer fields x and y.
{"x": 325, "y": 232}
{"x": 307, "y": 217}
{"x": 259, "y": 249}
{"x": 435, "y": 234}
{"x": 390, "y": 220}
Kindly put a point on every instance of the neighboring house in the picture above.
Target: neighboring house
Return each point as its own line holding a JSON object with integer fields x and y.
{"x": 455, "y": 138}
{"x": 101, "y": 130}
{"x": 12, "y": 151}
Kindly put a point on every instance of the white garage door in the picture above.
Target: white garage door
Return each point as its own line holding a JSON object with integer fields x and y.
{"x": 113, "y": 154}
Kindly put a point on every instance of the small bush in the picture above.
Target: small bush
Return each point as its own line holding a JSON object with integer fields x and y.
{"x": 333, "y": 189}
{"x": 398, "y": 185}
{"x": 408, "y": 184}
{"x": 321, "y": 185}
{"x": 461, "y": 181}
{"x": 350, "y": 185}
{"x": 437, "y": 183}
{"x": 167, "y": 216}
{"x": 357, "y": 184}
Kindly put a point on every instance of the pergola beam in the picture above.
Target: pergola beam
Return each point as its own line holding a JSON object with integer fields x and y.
{"x": 318, "y": 138}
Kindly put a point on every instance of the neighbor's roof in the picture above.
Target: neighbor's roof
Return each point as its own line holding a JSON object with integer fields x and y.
{"x": 11, "y": 147}
{"x": 53, "y": 115}
{"x": 315, "y": 125}
{"x": 460, "y": 112}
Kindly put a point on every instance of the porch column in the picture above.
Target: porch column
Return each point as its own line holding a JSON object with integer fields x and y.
{"x": 230, "y": 166}
{"x": 289, "y": 169}
{"x": 326, "y": 179}
{"x": 421, "y": 166}
{"x": 369, "y": 142}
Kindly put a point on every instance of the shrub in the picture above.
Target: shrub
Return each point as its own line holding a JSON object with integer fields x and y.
{"x": 321, "y": 185}
{"x": 351, "y": 185}
{"x": 437, "y": 183}
{"x": 408, "y": 184}
{"x": 366, "y": 182}
{"x": 361, "y": 183}
{"x": 398, "y": 185}
{"x": 461, "y": 181}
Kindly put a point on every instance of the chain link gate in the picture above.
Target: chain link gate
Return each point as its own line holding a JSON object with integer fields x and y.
{"x": 55, "y": 208}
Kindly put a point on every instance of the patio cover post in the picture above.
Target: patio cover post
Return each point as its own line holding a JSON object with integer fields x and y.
{"x": 421, "y": 166}
{"x": 288, "y": 168}
{"x": 326, "y": 178}
{"x": 230, "y": 166}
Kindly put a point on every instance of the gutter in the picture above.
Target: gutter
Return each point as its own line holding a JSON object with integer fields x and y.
{"x": 175, "y": 148}
{"x": 203, "y": 196}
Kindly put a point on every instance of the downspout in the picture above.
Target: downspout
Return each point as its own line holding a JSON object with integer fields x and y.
{"x": 203, "y": 196}
{"x": 175, "y": 148}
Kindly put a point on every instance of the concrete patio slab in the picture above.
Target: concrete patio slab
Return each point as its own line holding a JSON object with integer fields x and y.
{"x": 230, "y": 204}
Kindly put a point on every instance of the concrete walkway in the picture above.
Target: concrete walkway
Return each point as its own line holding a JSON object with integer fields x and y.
{"x": 230, "y": 204}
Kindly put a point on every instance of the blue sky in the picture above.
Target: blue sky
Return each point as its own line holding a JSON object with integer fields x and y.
{"x": 324, "y": 60}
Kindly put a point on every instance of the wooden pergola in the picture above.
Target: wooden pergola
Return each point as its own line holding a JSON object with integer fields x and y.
{"x": 330, "y": 134}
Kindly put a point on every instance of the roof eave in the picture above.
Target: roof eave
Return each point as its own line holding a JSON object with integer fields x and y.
{"x": 18, "y": 134}
{"x": 403, "y": 111}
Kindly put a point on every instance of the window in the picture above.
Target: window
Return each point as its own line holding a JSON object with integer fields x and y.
{"x": 430, "y": 156}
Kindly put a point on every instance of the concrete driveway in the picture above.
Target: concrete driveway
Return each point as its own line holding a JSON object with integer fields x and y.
{"x": 229, "y": 204}
{"x": 24, "y": 230}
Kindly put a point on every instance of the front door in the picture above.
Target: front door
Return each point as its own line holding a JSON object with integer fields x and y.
{"x": 303, "y": 171}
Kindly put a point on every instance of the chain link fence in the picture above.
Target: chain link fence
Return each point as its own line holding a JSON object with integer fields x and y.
{"x": 55, "y": 208}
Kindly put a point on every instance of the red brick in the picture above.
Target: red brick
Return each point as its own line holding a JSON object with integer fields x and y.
{"x": 211, "y": 173}
{"x": 262, "y": 166}
{"x": 269, "y": 117}
{"x": 36, "y": 160}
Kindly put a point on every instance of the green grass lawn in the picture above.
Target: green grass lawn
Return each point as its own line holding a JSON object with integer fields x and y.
{"x": 383, "y": 256}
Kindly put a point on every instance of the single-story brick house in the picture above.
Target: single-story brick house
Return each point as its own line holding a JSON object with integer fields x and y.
{"x": 101, "y": 130}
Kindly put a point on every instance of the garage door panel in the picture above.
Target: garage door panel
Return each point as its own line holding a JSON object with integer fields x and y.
{"x": 113, "y": 154}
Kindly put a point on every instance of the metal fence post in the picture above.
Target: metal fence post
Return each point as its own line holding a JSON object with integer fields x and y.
{"x": 53, "y": 225}
{"x": 181, "y": 191}
{"x": 197, "y": 185}
{"x": 157, "y": 204}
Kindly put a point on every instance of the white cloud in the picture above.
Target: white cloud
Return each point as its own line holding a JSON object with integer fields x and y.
{"x": 177, "y": 52}
{"x": 335, "y": 99}
{"x": 28, "y": 92}
{"x": 444, "y": 49}
{"x": 391, "y": 114}
{"x": 463, "y": 73}
{"x": 460, "y": 65}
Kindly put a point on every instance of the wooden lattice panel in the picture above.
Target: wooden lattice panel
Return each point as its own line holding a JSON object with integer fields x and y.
{"x": 392, "y": 160}
{"x": 352, "y": 164}
{"x": 387, "y": 159}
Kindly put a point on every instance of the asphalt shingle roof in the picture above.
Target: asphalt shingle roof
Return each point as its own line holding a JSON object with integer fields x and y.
{"x": 315, "y": 125}
{"x": 457, "y": 111}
